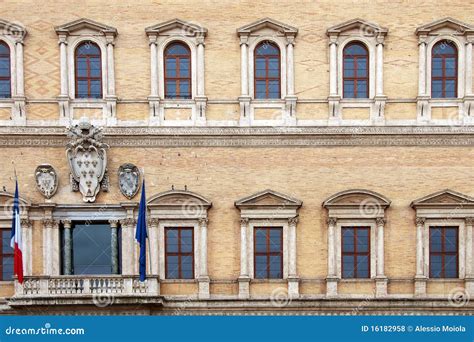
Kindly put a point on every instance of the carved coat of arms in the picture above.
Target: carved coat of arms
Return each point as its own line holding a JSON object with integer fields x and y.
{"x": 87, "y": 156}
{"x": 129, "y": 180}
{"x": 46, "y": 180}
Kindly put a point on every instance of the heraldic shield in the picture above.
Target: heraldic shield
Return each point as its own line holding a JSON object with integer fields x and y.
{"x": 87, "y": 156}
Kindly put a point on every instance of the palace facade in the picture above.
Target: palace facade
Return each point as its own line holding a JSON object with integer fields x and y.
{"x": 300, "y": 157}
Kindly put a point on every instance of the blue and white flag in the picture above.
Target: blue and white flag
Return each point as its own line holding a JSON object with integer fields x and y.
{"x": 141, "y": 233}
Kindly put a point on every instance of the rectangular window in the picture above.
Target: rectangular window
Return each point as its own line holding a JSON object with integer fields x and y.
{"x": 356, "y": 252}
{"x": 6, "y": 255}
{"x": 268, "y": 250}
{"x": 444, "y": 252}
{"x": 179, "y": 253}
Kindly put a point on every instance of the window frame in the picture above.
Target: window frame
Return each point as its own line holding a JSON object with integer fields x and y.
{"x": 88, "y": 77}
{"x": 445, "y": 78}
{"x": 268, "y": 253}
{"x": 443, "y": 253}
{"x": 355, "y": 254}
{"x": 3, "y": 255}
{"x": 9, "y": 78}
{"x": 177, "y": 78}
{"x": 267, "y": 79}
{"x": 179, "y": 254}
{"x": 356, "y": 79}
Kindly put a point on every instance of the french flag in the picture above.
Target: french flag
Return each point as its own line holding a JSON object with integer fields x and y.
{"x": 16, "y": 241}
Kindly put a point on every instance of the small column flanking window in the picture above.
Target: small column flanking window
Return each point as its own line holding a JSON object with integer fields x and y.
{"x": 356, "y": 239}
{"x": 86, "y": 50}
{"x": 268, "y": 240}
{"x": 445, "y": 93}
{"x": 356, "y": 64}
{"x": 179, "y": 253}
{"x": 444, "y": 230}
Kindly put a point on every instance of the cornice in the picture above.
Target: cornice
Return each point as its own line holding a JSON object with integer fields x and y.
{"x": 250, "y": 136}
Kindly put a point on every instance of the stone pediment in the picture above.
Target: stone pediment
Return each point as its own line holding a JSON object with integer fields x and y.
{"x": 267, "y": 26}
{"x": 445, "y": 26}
{"x": 444, "y": 198}
{"x": 6, "y": 202}
{"x": 178, "y": 198}
{"x": 177, "y": 27}
{"x": 85, "y": 26}
{"x": 13, "y": 30}
{"x": 357, "y": 27}
{"x": 268, "y": 198}
{"x": 356, "y": 198}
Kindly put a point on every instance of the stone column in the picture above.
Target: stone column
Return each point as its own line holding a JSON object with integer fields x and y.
{"x": 154, "y": 243}
{"x": 290, "y": 99}
{"x": 380, "y": 279}
{"x": 420, "y": 278}
{"x": 378, "y": 114}
{"x": 20, "y": 87}
{"x": 244, "y": 279}
{"x": 154, "y": 99}
{"x": 110, "y": 96}
{"x": 114, "y": 246}
{"x": 332, "y": 279}
{"x": 67, "y": 262}
{"x": 469, "y": 67}
{"x": 48, "y": 247}
{"x": 293, "y": 279}
{"x": 379, "y": 68}
{"x": 128, "y": 246}
{"x": 200, "y": 98}
{"x": 469, "y": 278}
{"x": 27, "y": 227}
{"x": 18, "y": 95}
{"x": 334, "y": 96}
{"x": 423, "y": 110}
{"x": 244, "y": 99}
{"x": 63, "y": 98}
{"x": 203, "y": 279}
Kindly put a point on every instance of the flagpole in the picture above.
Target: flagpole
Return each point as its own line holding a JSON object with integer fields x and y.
{"x": 147, "y": 233}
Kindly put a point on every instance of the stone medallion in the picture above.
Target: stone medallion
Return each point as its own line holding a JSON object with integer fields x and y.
{"x": 129, "y": 180}
{"x": 46, "y": 180}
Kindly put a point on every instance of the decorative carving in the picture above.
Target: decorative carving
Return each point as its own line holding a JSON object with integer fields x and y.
{"x": 244, "y": 221}
{"x": 46, "y": 180}
{"x": 87, "y": 156}
{"x": 470, "y": 221}
{"x": 153, "y": 222}
{"x": 293, "y": 220}
{"x": 203, "y": 221}
{"x": 129, "y": 180}
{"x": 332, "y": 221}
{"x": 380, "y": 221}
{"x": 420, "y": 221}
{"x": 128, "y": 222}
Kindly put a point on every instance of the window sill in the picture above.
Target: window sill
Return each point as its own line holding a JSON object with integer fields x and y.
{"x": 268, "y": 281}
{"x": 357, "y": 280}
{"x": 178, "y": 281}
{"x": 6, "y": 282}
{"x": 445, "y": 280}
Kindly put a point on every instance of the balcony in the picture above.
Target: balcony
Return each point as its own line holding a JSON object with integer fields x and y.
{"x": 100, "y": 291}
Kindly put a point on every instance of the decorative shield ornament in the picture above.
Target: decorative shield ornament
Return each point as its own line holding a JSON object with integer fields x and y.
{"x": 87, "y": 156}
{"x": 46, "y": 180}
{"x": 129, "y": 180}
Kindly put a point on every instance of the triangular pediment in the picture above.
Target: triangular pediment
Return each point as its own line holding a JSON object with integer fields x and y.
{"x": 179, "y": 198}
{"x": 445, "y": 26}
{"x": 357, "y": 198}
{"x": 357, "y": 27}
{"x": 444, "y": 198}
{"x": 85, "y": 26}
{"x": 267, "y": 25}
{"x": 268, "y": 198}
{"x": 12, "y": 29}
{"x": 177, "y": 27}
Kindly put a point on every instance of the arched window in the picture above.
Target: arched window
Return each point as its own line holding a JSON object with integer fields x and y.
{"x": 5, "y": 72}
{"x": 444, "y": 70}
{"x": 177, "y": 71}
{"x": 267, "y": 71}
{"x": 356, "y": 71}
{"x": 88, "y": 71}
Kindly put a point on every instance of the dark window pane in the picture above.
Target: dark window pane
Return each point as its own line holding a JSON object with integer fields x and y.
{"x": 451, "y": 240}
{"x": 260, "y": 92}
{"x": 177, "y": 49}
{"x": 362, "y": 241}
{"x": 444, "y": 48}
{"x": 450, "y": 266}
{"x": 95, "y": 66}
{"x": 170, "y": 67}
{"x": 273, "y": 89}
{"x": 450, "y": 88}
{"x": 267, "y": 49}
{"x": 171, "y": 240}
{"x": 348, "y": 67}
{"x": 81, "y": 66}
{"x": 349, "y": 89}
{"x": 437, "y": 67}
{"x": 184, "y": 67}
{"x": 6, "y": 240}
{"x": 348, "y": 266}
{"x": 91, "y": 249}
{"x": 355, "y": 49}
{"x": 184, "y": 89}
{"x": 172, "y": 267}
{"x": 362, "y": 266}
{"x": 362, "y": 89}
{"x": 261, "y": 266}
{"x": 450, "y": 66}
{"x": 275, "y": 267}
{"x": 273, "y": 67}
{"x": 260, "y": 240}
{"x": 4, "y": 67}
{"x": 437, "y": 88}
{"x": 436, "y": 266}
{"x": 435, "y": 240}
{"x": 4, "y": 50}
{"x": 171, "y": 88}
{"x": 96, "y": 90}
{"x": 347, "y": 240}
{"x": 7, "y": 264}
{"x": 361, "y": 67}
{"x": 187, "y": 267}
{"x": 260, "y": 67}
